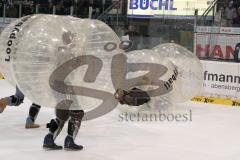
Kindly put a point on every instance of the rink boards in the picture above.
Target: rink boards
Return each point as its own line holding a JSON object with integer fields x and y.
{"x": 214, "y": 100}
{"x": 221, "y": 83}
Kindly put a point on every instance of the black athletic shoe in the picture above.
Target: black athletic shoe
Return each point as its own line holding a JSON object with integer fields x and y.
{"x": 70, "y": 145}
{"x": 49, "y": 144}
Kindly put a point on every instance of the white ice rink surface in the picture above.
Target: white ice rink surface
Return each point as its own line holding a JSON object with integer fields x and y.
{"x": 213, "y": 134}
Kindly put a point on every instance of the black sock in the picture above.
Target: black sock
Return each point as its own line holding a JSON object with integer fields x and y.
{"x": 33, "y": 111}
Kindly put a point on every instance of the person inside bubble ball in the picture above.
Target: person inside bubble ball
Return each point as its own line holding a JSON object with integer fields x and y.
{"x": 62, "y": 111}
{"x": 134, "y": 96}
{"x": 74, "y": 118}
{"x": 16, "y": 100}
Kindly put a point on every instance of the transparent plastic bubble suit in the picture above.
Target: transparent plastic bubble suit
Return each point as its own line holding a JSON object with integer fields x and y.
{"x": 56, "y": 59}
{"x": 5, "y": 66}
{"x": 190, "y": 80}
{"x": 162, "y": 71}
